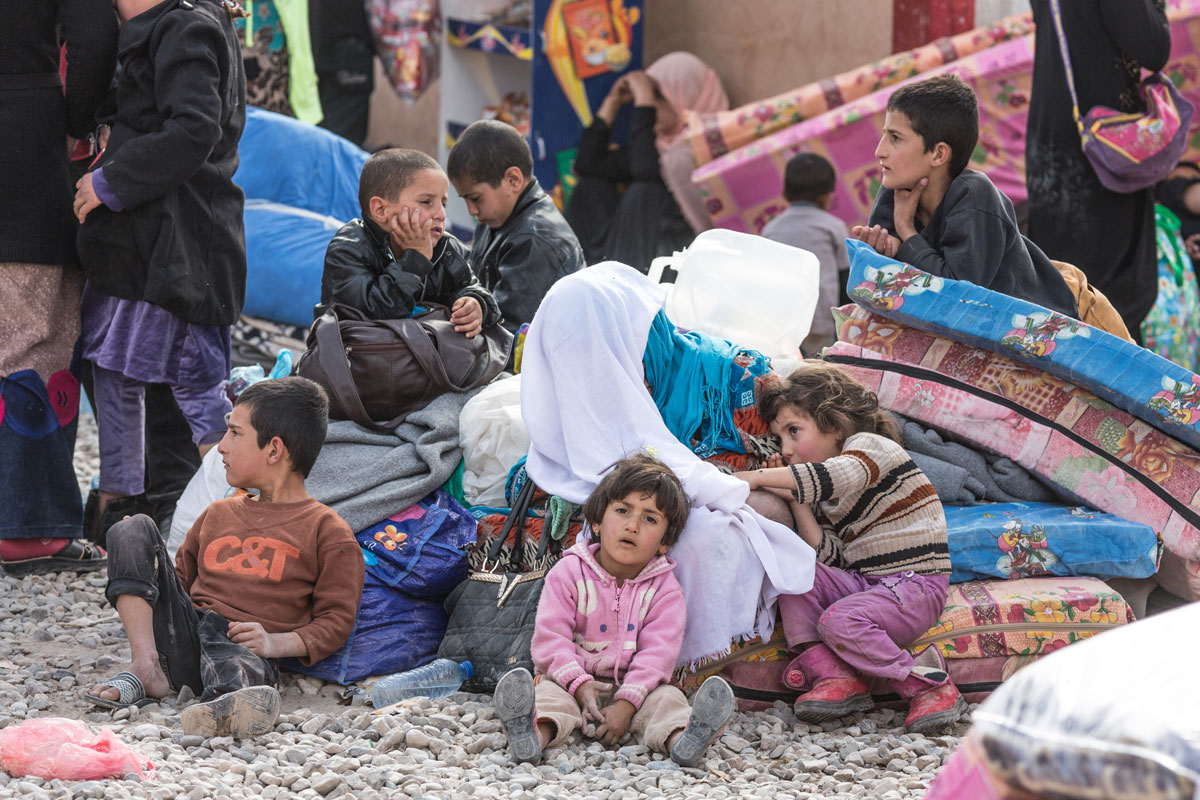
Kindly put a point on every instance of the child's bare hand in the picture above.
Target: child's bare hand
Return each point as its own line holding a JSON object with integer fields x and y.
{"x": 878, "y": 238}
{"x": 410, "y": 233}
{"x": 251, "y": 636}
{"x": 905, "y": 212}
{"x": 467, "y": 316}
{"x": 85, "y": 198}
{"x": 775, "y": 460}
{"x": 617, "y": 717}
{"x": 588, "y": 697}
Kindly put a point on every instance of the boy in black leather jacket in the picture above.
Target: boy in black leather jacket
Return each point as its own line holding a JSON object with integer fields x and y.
{"x": 399, "y": 256}
{"x": 522, "y": 242}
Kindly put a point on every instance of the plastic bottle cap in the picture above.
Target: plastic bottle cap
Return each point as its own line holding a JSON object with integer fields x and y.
{"x": 468, "y": 670}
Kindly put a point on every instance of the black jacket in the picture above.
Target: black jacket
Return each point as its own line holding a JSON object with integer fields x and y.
{"x": 181, "y": 105}
{"x": 521, "y": 260}
{"x": 361, "y": 272}
{"x": 973, "y": 236}
{"x": 36, "y": 223}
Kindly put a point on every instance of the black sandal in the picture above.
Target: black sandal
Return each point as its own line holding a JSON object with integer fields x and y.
{"x": 77, "y": 555}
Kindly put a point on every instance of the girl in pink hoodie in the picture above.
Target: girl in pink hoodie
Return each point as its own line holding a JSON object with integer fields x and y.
{"x": 609, "y": 627}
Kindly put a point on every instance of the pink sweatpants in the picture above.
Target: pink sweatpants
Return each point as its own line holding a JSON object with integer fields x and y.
{"x": 865, "y": 619}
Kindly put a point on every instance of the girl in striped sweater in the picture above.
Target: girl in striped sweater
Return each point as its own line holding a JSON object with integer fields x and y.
{"x": 883, "y": 563}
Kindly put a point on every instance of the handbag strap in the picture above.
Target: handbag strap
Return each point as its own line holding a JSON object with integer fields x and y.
{"x": 422, "y": 350}
{"x": 429, "y": 357}
{"x": 516, "y": 516}
{"x": 1056, "y": 12}
{"x": 331, "y": 356}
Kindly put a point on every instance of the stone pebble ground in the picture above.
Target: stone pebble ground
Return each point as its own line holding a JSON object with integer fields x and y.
{"x": 57, "y": 636}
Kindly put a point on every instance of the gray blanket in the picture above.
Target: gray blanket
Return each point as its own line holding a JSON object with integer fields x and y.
{"x": 962, "y": 475}
{"x": 367, "y": 476}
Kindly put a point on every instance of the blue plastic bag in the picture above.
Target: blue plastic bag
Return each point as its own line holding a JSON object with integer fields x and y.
{"x": 420, "y": 550}
{"x": 393, "y": 632}
{"x": 414, "y": 559}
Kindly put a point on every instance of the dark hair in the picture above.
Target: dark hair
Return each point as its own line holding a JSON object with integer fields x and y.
{"x": 941, "y": 109}
{"x": 836, "y": 402}
{"x": 294, "y": 409}
{"x": 807, "y": 176}
{"x": 641, "y": 472}
{"x": 387, "y": 173}
{"x": 484, "y": 152}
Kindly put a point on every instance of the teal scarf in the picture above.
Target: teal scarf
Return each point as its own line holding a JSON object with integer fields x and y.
{"x": 691, "y": 377}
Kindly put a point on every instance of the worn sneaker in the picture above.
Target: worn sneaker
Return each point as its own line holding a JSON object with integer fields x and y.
{"x": 514, "y": 701}
{"x": 242, "y": 714}
{"x": 712, "y": 708}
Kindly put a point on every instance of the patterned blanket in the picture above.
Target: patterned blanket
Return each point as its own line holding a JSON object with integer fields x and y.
{"x": 1111, "y": 463}
{"x": 743, "y": 188}
{"x": 719, "y": 133}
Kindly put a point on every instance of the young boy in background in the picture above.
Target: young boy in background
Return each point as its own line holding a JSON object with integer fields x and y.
{"x": 808, "y": 183}
{"x": 934, "y": 213}
{"x": 259, "y": 577}
{"x": 399, "y": 255}
{"x": 522, "y": 242}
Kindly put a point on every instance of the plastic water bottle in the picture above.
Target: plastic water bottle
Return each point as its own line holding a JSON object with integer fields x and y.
{"x": 436, "y": 679}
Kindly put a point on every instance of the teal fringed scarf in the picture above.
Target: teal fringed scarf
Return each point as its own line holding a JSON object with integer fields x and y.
{"x": 691, "y": 377}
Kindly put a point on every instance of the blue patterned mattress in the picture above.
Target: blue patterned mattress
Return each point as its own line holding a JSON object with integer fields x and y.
{"x": 1130, "y": 377}
{"x": 1025, "y": 540}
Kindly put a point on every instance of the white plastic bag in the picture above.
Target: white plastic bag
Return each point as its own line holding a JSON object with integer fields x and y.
{"x": 206, "y": 486}
{"x": 755, "y": 292}
{"x": 493, "y": 437}
{"x": 1116, "y": 717}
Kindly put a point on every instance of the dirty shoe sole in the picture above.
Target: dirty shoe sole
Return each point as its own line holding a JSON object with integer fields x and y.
{"x": 514, "y": 699}
{"x": 243, "y": 714}
{"x": 822, "y": 710}
{"x": 712, "y": 708}
{"x": 938, "y": 721}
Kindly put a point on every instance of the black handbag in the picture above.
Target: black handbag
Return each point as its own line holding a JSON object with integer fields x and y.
{"x": 492, "y": 612}
{"x": 377, "y": 371}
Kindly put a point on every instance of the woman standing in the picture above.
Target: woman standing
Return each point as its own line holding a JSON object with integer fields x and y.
{"x": 660, "y": 210}
{"x": 1072, "y": 217}
{"x": 39, "y": 278}
{"x": 161, "y": 237}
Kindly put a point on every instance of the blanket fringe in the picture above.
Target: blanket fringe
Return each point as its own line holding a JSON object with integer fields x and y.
{"x": 698, "y": 663}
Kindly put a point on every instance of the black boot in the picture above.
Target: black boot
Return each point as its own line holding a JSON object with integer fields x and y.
{"x": 118, "y": 509}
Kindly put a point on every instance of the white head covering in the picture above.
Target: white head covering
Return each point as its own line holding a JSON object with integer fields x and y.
{"x": 585, "y": 403}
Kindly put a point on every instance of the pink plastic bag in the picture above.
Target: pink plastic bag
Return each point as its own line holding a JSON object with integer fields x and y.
{"x": 55, "y": 747}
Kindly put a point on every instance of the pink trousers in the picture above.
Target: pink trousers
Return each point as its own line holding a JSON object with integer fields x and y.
{"x": 865, "y": 619}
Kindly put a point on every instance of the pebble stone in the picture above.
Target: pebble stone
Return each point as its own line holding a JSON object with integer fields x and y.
{"x": 324, "y": 747}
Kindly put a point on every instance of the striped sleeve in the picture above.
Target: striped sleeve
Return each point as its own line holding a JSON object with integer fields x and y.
{"x": 860, "y": 464}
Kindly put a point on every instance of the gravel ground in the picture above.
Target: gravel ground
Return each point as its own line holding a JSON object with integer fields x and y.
{"x": 59, "y": 637}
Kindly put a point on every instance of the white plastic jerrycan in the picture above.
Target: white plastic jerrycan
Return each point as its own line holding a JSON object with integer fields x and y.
{"x": 755, "y": 292}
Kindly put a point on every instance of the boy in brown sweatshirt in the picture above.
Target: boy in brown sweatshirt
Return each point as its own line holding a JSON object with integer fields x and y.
{"x": 259, "y": 577}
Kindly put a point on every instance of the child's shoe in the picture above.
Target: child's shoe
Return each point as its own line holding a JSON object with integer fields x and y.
{"x": 242, "y": 714}
{"x": 712, "y": 708}
{"x": 934, "y": 701}
{"x": 935, "y": 709}
{"x": 514, "y": 700}
{"x": 837, "y": 688}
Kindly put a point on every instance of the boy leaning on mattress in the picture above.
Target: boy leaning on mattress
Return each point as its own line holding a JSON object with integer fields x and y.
{"x": 934, "y": 213}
